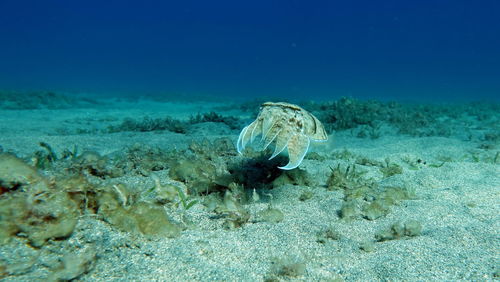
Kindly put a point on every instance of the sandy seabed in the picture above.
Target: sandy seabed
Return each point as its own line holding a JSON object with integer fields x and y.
{"x": 457, "y": 204}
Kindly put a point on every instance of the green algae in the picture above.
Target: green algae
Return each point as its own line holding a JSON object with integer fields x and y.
{"x": 31, "y": 205}
{"x": 41, "y": 210}
{"x": 271, "y": 215}
{"x": 390, "y": 169}
{"x": 397, "y": 230}
{"x": 327, "y": 234}
{"x": 363, "y": 197}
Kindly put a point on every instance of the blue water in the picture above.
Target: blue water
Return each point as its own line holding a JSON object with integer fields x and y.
{"x": 405, "y": 50}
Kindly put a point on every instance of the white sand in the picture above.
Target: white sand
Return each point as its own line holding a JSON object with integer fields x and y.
{"x": 458, "y": 205}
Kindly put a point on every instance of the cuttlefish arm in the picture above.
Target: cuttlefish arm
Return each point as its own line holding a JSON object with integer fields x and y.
{"x": 245, "y": 136}
{"x": 297, "y": 149}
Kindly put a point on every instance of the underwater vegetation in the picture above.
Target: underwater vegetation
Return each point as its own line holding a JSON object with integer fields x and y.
{"x": 364, "y": 197}
{"x": 170, "y": 124}
{"x": 15, "y": 100}
{"x": 44, "y": 208}
{"x": 201, "y": 172}
{"x": 149, "y": 124}
{"x": 28, "y": 205}
{"x": 410, "y": 119}
{"x": 43, "y": 196}
{"x": 48, "y": 207}
{"x": 410, "y": 228}
{"x": 286, "y": 267}
{"x": 230, "y": 121}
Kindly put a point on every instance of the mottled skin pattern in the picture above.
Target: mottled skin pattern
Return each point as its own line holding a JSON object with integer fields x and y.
{"x": 288, "y": 126}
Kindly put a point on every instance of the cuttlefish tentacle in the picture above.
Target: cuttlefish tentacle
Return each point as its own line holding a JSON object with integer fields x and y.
{"x": 248, "y": 134}
{"x": 270, "y": 138}
{"x": 239, "y": 144}
{"x": 245, "y": 136}
{"x": 297, "y": 149}
{"x": 267, "y": 126}
{"x": 281, "y": 143}
{"x": 257, "y": 129}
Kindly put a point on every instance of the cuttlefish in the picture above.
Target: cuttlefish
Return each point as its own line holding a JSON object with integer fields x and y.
{"x": 288, "y": 126}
